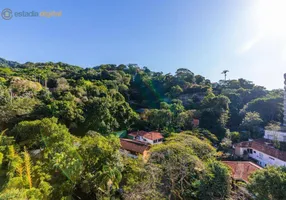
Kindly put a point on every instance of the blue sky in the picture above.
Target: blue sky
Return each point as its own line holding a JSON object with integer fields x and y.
{"x": 206, "y": 36}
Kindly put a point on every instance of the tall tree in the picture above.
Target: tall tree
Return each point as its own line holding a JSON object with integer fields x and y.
{"x": 225, "y": 73}
{"x": 253, "y": 124}
{"x": 268, "y": 183}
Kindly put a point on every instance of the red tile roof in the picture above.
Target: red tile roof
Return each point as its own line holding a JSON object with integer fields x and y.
{"x": 137, "y": 133}
{"x": 196, "y": 122}
{"x": 153, "y": 135}
{"x": 263, "y": 146}
{"x": 149, "y": 135}
{"x": 241, "y": 170}
{"x": 134, "y": 145}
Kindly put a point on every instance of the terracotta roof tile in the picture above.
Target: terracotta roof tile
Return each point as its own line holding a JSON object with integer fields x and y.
{"x": 137, "y": 133}
{"x": 241, "y": 170}
{"x": 149, "y": 135}
{"x": 153, "y": 135}
{"x": 134, "y": 145}
{"x": 196, "y": 122}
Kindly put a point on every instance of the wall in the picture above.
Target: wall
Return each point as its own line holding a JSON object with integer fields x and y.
{"x": 143, "y": 139}
{"x": 239, "y": 151}
{"x": 146, "y": 140}
{"x": 261, "y": 157}
{"x": 265, "y": 159}
{"x": 281, "y": 136}
{"x": 125, "y": 152}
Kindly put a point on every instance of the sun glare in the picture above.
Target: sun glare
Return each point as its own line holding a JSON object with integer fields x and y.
{"x": 270, "y": 16}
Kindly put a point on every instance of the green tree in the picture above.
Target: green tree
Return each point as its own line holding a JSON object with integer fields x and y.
{"x": 5, "y": 96}
{"x": 140, "y": 180}
{"x": 61, "y": 158}
{"x": 158, "y": 119}
{"x": 22, "y": 86}
{"x": 217, "y": 181}
{"x": 108, "y": 114}
{"x": 214, "y": 114}
{"x": 62, "y": 84}
{"x": 225, "y": 73}
{"x": 175, "y": 91}
{"x": 200, "y": 80}
{"x": 184, "y": 120}
{"x": 21, "y": 183}
{"x": 252, "y": 123}
{"x": 102, "y": 165}
{"x": 28, "y": 132}
{"x": 68, "y": 112}
{"x": 20, "y": 108}
{"x": 181, "y": 168}
{"x": 274, "y": 127}
{"x": 182, "y": 159}
{"x": 268, "y": 183}
{"x": 185, "y": 74}
{"x": 269, "y": 108}
{"x": 5, "y": 71}
{"x": 234, "y": 136}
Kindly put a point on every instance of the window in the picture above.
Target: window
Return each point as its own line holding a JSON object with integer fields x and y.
{"x": 271, "y": 158}
{"x": 254, "y": 151}
{"x": 249, "y": 151}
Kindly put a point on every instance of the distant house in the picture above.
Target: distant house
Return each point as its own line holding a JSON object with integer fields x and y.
{"x": 279, "y": 135}
{"x": 262, "y": 151}
{"x": 196, "y": 122}
{"x": 149, "y": 137}
{"x": 134, "y": 147}
{"x": 215, "y": 84}
{"x": 241, "y": 170}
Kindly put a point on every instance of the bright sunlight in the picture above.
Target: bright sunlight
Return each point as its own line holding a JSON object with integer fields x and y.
{"x": 271, "y": 17}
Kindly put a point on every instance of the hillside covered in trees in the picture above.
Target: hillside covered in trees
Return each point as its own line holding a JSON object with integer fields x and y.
{"x": 59, "y": 122}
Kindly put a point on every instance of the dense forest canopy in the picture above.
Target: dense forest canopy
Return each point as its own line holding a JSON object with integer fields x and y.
{"x": 59, "y": 125}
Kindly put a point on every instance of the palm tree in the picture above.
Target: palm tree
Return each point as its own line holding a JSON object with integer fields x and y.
{"x": 27, "y": 162}
{"x": 224, "y": 72}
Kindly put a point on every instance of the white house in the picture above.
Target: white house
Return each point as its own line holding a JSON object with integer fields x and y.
{"x": 262, "y": 151}
{"x": 149, "y": 137}
{"x": 279, "y": 135}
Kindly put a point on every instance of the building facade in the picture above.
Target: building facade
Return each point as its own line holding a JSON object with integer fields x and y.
{"x": 149, "y": 137}
{"x": 279, "y": 135}
{"x": 284, "y": 119}
{"x": 262, "y": 151}
{"x": 134, "y": 148}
